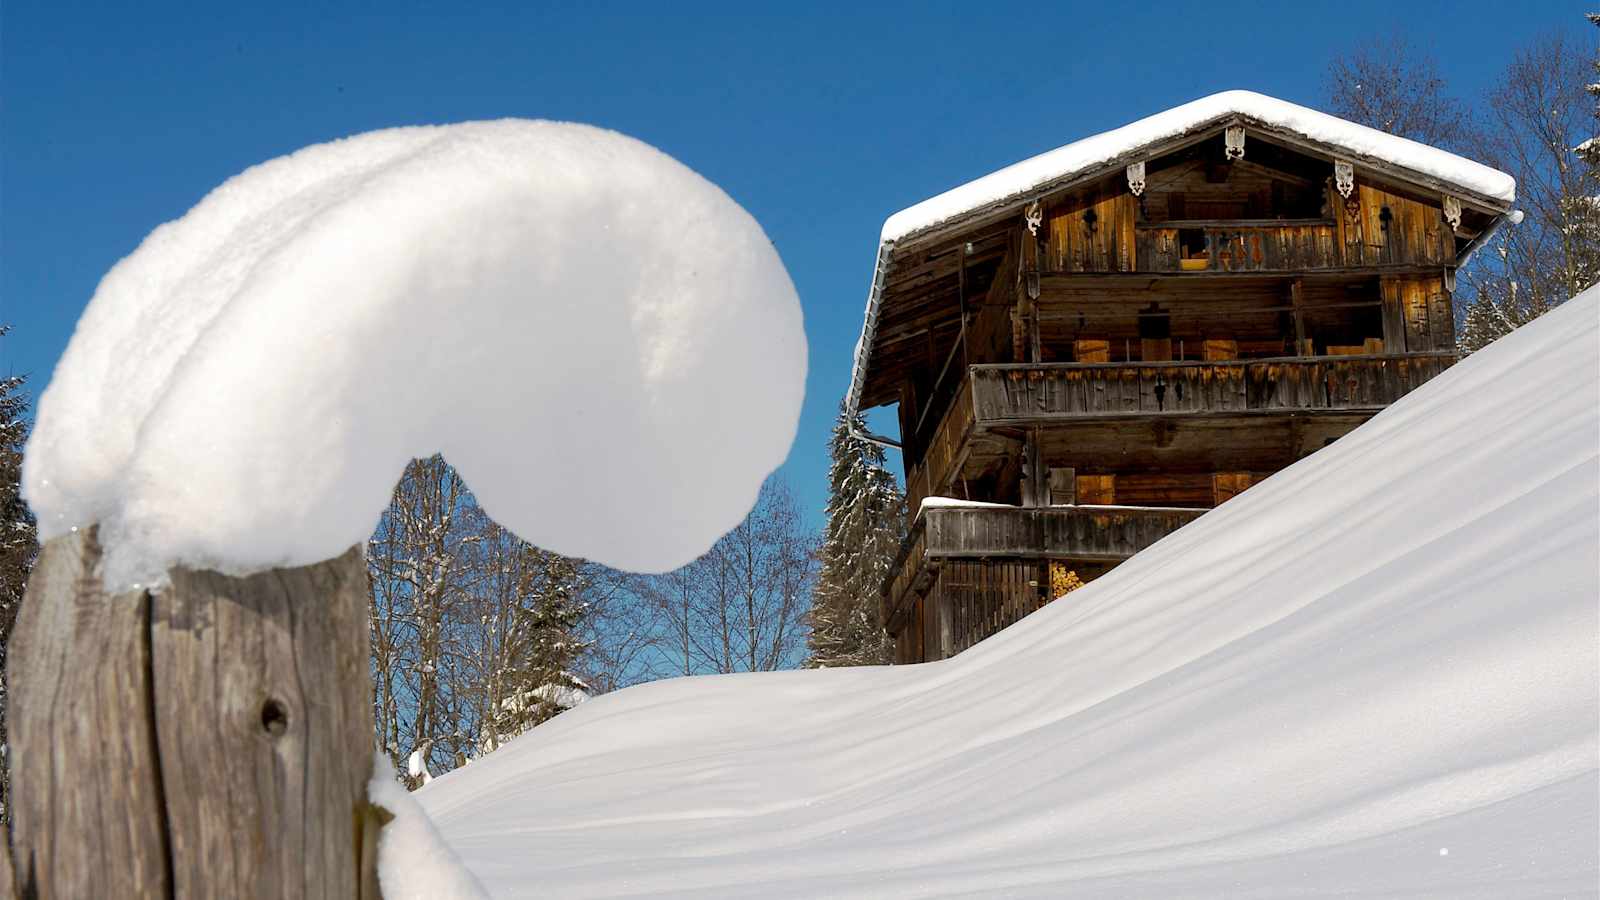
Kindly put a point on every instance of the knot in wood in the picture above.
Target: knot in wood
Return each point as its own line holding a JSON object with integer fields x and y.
{"x": 274, "y": 717}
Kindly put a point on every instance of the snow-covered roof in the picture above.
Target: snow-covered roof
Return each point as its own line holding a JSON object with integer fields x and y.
{"x": 1021, "y": 181}
{"x": 1098, "y": 150}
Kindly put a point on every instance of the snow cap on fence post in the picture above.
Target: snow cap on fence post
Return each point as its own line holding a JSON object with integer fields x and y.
{"x": 603, "y": 342}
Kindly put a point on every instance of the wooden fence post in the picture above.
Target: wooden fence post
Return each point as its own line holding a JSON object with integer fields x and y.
{"x": 210, "y": 739}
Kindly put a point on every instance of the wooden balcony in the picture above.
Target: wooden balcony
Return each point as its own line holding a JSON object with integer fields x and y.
{"x": 1009, "y": 396}
{"x": 1110, "y": 533}
{"x": 1035, "y": 394}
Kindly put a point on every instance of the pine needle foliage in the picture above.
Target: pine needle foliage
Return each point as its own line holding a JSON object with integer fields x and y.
{"x": 866, "y": 523}
{"x": 19, "y": 543}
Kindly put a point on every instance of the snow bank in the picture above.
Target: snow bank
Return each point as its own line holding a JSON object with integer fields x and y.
{"x": 1098, "y": 150}
{"x": 1371, "y": 674}
{"x": 603, "y": 342}
{"x": 414, "y": 863}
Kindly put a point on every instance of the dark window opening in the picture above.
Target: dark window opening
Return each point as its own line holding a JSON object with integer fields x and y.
{"x": 1192, "y": 243}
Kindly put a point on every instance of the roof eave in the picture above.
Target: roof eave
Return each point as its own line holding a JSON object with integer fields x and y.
{"x": 980, "y": 215}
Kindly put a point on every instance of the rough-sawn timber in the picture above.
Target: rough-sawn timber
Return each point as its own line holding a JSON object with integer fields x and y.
{"x": 208, "y": 739}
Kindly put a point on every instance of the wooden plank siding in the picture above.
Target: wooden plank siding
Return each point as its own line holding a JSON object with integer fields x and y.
{"x": 1007, "y": 394}
{"x": 1057, "y": 532}
{"x": 1390, "y": 229}
{"x": 1103, "y": 232}
{"x": 1092, "y": 233}
{"x": 1418, "y": 313}
{"x": 985, "y": 597}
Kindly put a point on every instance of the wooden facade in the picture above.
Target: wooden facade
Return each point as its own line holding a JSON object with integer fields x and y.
{"x": 1099, "y": 364}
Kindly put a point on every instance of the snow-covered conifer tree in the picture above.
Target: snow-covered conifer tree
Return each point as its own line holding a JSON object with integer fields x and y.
{"x": 535, "y": 681}
{"x": 866, "y": 523}
{"x": 19, "y": 542}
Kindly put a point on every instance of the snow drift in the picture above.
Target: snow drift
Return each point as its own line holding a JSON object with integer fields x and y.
{"x": 414, "y": 862}
{"x": 1374, "y": 673}
{"x": 569, "y": 315}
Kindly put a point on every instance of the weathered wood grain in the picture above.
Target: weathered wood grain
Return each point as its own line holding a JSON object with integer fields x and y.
{"x": 1024, "y": 537}
{"x": 8, "y": 883}
{"x": 89, "y": 818}
{"x": 1010, "y": 394}
{"x": 208, "y": 739}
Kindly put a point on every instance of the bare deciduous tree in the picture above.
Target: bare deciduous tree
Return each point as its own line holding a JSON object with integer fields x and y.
{"x": 1391, "y": 85}
{"x": 478, "y": 636}
{"x": 420, "y": 566}
{"x": 1537, "y": 117}
{"x": 742, "y": 606}
{"x": 622, "y": 636}
{"x": 1531, "y": 125}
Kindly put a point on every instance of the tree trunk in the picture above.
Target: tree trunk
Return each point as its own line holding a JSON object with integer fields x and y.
{"x": 210, "y": 739}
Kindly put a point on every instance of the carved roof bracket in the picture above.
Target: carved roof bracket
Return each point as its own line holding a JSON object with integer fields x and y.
{"x": 1452, "y": 211}
{"x": 1136, "y": 177}
{"x": 1344, "y": 177}
{"x": 1233, "y": 140}
{"x": 1034, "y": 216}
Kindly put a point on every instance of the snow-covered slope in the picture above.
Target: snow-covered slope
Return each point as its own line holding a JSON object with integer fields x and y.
{"x": 1375, "y": 673}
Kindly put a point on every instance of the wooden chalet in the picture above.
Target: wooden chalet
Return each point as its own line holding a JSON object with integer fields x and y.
{"x": 1091, "y": 348}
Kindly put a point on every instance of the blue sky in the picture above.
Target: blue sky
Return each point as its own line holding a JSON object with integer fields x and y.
{"x": 820, "y": 120}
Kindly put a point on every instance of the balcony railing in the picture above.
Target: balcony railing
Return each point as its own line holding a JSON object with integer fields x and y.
{"x": 1055, "y": 532}
{"x": 993, "y": 396}
{"x": 1242, "y": 246}
{"x": 944, "y": 447}
{"x": 1006, "y": 394}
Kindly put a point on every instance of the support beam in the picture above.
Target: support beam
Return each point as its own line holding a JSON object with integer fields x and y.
{"x": 1025, "y": 345}
{"x": 943, "y": 631}
{"x": 1035, "y": 475}
{"x": 1297, "y": 300}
